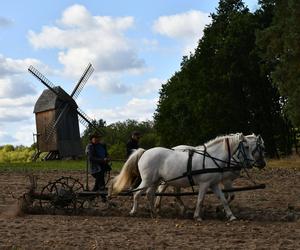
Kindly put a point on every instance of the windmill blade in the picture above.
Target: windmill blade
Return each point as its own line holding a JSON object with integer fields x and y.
{"x": 87, "y": 121}
{"x": 43, "y": 79}
{"x": 51, "y": 128}
{"x": 82, "y": 81}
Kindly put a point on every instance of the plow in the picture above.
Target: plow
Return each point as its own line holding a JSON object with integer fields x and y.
{"x": 67, "y": 195}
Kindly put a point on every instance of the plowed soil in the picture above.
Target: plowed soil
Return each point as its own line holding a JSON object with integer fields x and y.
{"x": 267, "y": 219}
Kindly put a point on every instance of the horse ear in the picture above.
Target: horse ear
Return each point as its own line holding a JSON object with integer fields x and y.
{"x": 259, "y": 138}
{"x": 241, "y": 137}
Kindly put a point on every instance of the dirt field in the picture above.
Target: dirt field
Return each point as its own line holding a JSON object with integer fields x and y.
{"x": 268, "y": 219}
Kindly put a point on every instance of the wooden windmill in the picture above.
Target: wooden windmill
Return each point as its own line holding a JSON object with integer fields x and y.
{"x": 57, "y": 116}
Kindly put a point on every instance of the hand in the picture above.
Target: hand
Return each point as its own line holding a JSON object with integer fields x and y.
{"x": 106, "y": 160}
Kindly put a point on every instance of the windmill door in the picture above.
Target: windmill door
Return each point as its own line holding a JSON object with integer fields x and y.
{"x": 43, "y": 121}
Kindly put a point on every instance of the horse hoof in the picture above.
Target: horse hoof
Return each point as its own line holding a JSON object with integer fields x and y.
{"x": 232, "y": 218}
{"x": 198, "y": 219}
{"x": 131, "y": 213}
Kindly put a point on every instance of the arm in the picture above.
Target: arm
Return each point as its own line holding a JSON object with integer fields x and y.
{"x": 91, "y": 155}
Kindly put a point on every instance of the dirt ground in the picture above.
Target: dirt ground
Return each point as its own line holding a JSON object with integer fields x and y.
{"x": 268, "y": 219}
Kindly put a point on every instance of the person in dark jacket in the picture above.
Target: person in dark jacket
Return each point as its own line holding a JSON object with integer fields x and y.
{"x": 131, "y": 146}
{"x": 133, "y": 143}
{"x": 98, "y": 160}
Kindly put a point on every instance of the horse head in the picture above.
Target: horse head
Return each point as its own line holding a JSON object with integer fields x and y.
{"x": 243, "y": 150}
{"x": 257, "y": 148}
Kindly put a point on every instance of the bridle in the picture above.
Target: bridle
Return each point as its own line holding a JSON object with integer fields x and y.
{"x": 241, "y": 152}
{"x": 259, "y": 148}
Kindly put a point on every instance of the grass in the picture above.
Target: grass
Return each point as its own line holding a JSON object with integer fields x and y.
{"x": 51, "y": 165}
{"x": 292, "y": 161}
{"x": 289, "y": 162}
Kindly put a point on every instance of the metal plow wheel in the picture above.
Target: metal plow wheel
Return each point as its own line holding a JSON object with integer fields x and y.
{"x": 61, "y": 196}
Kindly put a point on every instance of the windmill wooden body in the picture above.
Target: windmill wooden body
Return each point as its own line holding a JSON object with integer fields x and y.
{"x": 57, "y": 116}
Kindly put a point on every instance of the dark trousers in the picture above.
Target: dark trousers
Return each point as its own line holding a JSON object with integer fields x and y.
{"x": 99, "y": 181}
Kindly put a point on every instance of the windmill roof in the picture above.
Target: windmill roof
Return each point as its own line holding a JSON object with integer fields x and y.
{"x": 49, "y": 100}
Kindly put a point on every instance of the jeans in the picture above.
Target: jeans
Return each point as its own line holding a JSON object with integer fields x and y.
{"x": 99, "y": 181}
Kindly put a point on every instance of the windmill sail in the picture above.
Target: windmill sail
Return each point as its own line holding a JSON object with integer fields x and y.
{"x": 43, "y": 79}
{"x": 82, "y": 81}
{"x": 87, "y": 121}
{"x": 53, "y": 125}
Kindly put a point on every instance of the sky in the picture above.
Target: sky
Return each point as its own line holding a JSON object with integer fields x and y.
{"x": 134, "y": 46}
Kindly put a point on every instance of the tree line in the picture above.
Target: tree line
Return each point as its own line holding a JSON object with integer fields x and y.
{"x": 116, "y": 135}
{"x": 243, "y": 76}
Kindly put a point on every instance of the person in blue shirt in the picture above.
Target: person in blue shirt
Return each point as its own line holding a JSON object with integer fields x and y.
{"x": 98, "y": 161}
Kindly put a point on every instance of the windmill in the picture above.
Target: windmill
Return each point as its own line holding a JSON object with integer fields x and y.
{"x": 57, "y": 116}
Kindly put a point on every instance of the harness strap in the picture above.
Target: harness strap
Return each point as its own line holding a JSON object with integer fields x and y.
{"x": 229, "y": 153}
{"x": 204, "y": 154}
{"x": 214, "y": 159}
{"x": 189, "y": 168}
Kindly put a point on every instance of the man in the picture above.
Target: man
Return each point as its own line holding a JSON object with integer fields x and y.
{"x": 98, "y": 160}
{"x": 131, "y": 146}
{"x": 133, "y": 143}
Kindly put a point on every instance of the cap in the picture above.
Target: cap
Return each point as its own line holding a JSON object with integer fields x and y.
{"x": 135, "y": 133}
{"x": 95, "y": 135}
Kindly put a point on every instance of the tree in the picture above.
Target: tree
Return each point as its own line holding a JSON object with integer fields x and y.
{"x": 117, "y": 134}
{"x": 100, "y": 125}
{"x": 281, "y": 47}
{"x": 222, "y": 87}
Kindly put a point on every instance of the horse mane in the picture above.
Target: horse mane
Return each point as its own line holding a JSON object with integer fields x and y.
{"x": 221, "y": 137}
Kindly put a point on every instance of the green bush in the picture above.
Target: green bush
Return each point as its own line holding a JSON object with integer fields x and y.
{"x": 8, "y": 148}
{"x": 117, "y": 151}
{"x": 9, "y": 154}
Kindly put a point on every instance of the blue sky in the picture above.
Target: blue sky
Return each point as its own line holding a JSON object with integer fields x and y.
{"x": 134, "y": 46}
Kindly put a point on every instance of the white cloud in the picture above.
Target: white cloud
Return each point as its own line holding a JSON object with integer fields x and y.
{"x": 15, "y": 114}
{"x": 24, "y": 101}
{"x": 24, "y": 135}
{"x": 5, "y": 22}
{"x": 137, "y": 109}
{"x": 109, "y": 83}
{"x": 9, "y": 66}
{"x": 187, "y": 27}
{"x": 76, "y": 15}
{"x": 17, "y": 97}
{"x": 82, "y": 38}
{"x": 112, "y": 84}
{"x": 150, "y": 86}
{"x": 6, "y": 138}
{"x": 13, "y": 83}
{"x": 14, "y": 87}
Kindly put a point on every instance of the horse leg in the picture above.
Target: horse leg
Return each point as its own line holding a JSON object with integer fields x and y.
{"x": 179, "y": 201}
{"x": 202, "y": 191}
{"x": 136, "y": 196}
{"x": 161, "y": 189}
{"x": 228, "y": 185}
{"x": 218, "y": 192}
{"x": 150, "y": 193}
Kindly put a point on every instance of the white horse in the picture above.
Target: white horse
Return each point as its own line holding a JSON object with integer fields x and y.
{"x": 161, "y": 164}
{"x": 256, "y": 147}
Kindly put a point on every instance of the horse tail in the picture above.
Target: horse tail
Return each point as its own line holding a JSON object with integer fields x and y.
{"x": 128, "y": 173}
